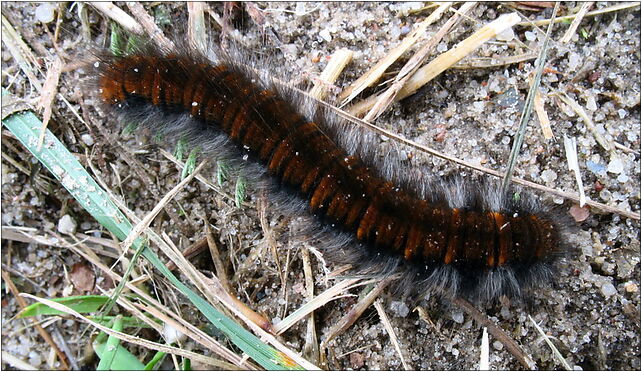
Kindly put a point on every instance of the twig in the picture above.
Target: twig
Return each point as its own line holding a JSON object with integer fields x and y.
{"x": 391, "y": 332}
{"x": 189, "y": 252}
{"x": 118, "y": 15}
{"x": 216, "y": 256}
{"x": 354, "y": 313}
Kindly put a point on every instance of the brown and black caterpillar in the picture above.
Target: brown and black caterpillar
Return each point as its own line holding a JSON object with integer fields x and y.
{"x": 447, "y": 237}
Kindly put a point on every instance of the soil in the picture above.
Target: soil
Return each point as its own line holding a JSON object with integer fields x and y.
{"x": 592, "y": 315}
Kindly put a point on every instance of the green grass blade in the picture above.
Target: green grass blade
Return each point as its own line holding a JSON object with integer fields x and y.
{"x": 66, "y": 168}
{"x": 110, "y": 349}
{"x": 155, "y": 360}
{"x": 82, "y": 304}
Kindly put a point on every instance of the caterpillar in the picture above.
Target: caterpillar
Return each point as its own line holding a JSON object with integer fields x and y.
{"x": 447, "y": 237}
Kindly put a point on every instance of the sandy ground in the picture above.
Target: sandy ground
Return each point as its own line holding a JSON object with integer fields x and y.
{"x": 592, "y": 316}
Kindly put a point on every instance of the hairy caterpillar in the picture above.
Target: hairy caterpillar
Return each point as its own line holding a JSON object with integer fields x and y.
{"x": 445, "y": 237}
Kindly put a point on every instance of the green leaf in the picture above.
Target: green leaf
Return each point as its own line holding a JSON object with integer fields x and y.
{"x": 110, "y": 349}
{"x": 222, "y": 172}
{"x": 116, "y": 40}
{"x": 81, "y": 304}
{"x": 239, "y": 191}
{"x": 155, "y": 360}
{"x": 181, "y": 146}
{"x": 190, "y": 163}
{"x": 122, "y": 360}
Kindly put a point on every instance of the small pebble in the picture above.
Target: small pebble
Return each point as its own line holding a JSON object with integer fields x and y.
{"x": 615, "y": 166}
{"x": 596, "y": 168}
{"x": 399, "y": 308}
{"x": 325, "y": 35}
{"x": 458, "y": 317}
{"x": 608, "y": 290}
{"x": 45, "y": 12}
{"x": 530, "y": 36}
{"x": 86, "y": 138}
{"x": 630, "y": 287}
{"x": 498, "y": 345}
{"x": 548, "y": 176}
{"x": 66, "y": 225}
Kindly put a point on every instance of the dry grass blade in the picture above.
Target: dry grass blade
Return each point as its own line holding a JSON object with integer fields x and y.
{"x": 311, "y": 346}
{"x": 20, "y": 52}
{"x": 385, "y": 99}
{"x": 202, "y": 179}
{"x": 570, "y": 146}
{"x": 497, "y": 332}
{"x": 195, "y": 334}
{"x": 544, "y": 122}
{"x": 391, "y": 332}
{"x": 576, "y": 22}
{"x": 444, "y": 61}
{"x": 216, "y": 256}
{"x": 492, "y": 62}
{"x": 148, "y": 24}
{"x": 484, "y": 354}
{"x": 528, "y": 105}
{"x": 214, "y": 292}
{"x": 118, "y": 15}
{"x": 16, "y": 362}
{"x": 354, "y": 313}
{"x": 330, "y": 73}
{"x": 196, "y": 34}
{"x": 605, "y": 143}
{"x": 556, "y": 352}
{"x": 608, "y": 9}
{"x": 375, "y": 72}
{"x": 47, "y": 94}
{"x": 328, "y": 295}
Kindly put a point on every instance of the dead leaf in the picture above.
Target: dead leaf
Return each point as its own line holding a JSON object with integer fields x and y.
{"x": 82, "y": 276}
